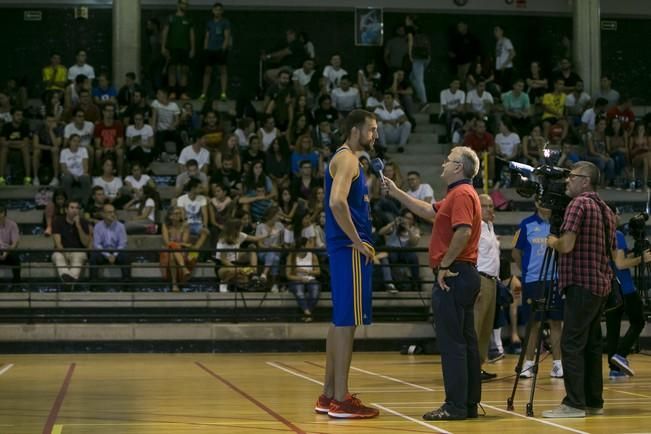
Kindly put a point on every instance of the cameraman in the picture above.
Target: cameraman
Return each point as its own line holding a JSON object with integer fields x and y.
{"x": 618, "y": 348}
{"x": 586, "y": 244}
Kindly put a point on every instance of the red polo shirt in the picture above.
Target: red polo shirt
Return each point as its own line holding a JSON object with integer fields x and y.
{"x": 479, "y": 143}
{"x": 460, "y": 207}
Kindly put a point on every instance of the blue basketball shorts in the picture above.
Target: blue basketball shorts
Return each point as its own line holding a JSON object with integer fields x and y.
{"x": 350, "y": 278}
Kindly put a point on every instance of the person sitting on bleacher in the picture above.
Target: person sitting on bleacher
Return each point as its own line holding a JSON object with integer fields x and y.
{"x": 344, "y": 97}
{"x": 109, "y": 239}
{"x": 452, "y": 103}
{"x": 235, "y": 267}
{"x": 49, "y": 138}
{"x": 176, "y": 266}
{"x": 15, "y": 135}
{"x": 95, "y": 206}
{"x": 516, "y": 105}
{"x": 393, "y": 126}
{"x": 111, "y": 184}
{"x": 279, "y": 98}
{"x": 165, "y": 120}
{"x": 109, "y": 138}
{"x": 271, "y": 229}
{"x": 9, "y": 238}
{"x": 191, "y": 172}
{"x": 70, "y": 232}
{"x": 146, "y": 203}
{"x": 74, "y": 170}
{"x": 197, "y": 152}
{"x": 104, "y": 93}
{"x": 85, "y": 130}
{"x": 135, "y": 182}
{"x": 55, "y": 207}
{"x": 91, "y": 111}
{"x": 303, "y": 273}
{"x": 140, "y": 141}
{"x": 554, "y": 109}
{"x": 480, "y": 141}
{"x": 623, "y": 112}
{"x": 195, "y": 207}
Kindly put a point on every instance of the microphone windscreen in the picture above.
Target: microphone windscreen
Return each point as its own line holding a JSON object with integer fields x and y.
{"x": 377, "y": 165}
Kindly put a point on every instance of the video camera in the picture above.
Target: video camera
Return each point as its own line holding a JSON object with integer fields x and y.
{"x": 548, "y": 185}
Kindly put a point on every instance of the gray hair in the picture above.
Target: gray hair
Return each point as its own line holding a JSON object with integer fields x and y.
{"x": 469, "y": 161}
{"x": 588, "y": 168}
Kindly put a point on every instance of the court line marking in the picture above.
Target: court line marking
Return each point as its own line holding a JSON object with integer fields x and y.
{"x": 6, "y": 368}
{"x": 58, "y": 402}
{"x": 259, "y": 404}
{"x": 412, "y": 419}
{"x": 406, "y": 383}
{"x": 289, "y": 370}
{"x": 627, "y": 393}
{"x": 57, "y": 429}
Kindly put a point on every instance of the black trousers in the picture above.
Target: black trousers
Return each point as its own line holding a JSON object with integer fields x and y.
{"x": 12, "y": 260}
{"x": 97, "y": 259}
{"x": 635, "y": 313}
{"x": 455, "y": 334}
{"x": 582, "y": 347}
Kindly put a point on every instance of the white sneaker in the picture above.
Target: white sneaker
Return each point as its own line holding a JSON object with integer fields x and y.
{"x": 557, "y": 369}
{"x": 54, "y": 182}
{"x": 36, "y": 182}
{"x": 223, "y": 287}
{"x": 527, "y": 369}
{"x": 274, "y": 288}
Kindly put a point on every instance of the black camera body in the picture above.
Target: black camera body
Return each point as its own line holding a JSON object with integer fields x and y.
{"x": 548, "y": 184}
{"x": 637, "y": 231}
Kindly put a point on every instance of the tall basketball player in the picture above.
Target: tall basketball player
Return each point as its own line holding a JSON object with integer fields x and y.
{"x": 348, "y": 242}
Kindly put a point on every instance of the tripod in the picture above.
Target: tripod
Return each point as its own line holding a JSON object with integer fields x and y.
{"x": 543, "y": 306}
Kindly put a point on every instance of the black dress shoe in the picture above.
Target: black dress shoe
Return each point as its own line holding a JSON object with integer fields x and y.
{"x": 442, "y": 414}
{"x": 485, "y": 376}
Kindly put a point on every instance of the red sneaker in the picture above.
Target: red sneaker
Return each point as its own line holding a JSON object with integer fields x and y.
{"x": 322, "y": 404}
{"x": 351, "y": 408}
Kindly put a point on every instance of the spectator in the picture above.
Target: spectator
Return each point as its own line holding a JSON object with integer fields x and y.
{"x": 533, "y": 145}
{"x": 417, "y": 189}
{"x": 623, "y": 112}
{"x": 344, "y": 97}
{"x": 481, "y": 141}
{"x": 140, "y": 141}
{"x": 47, "y": 139}
{"x": 304, "y": 181}
{"x": 307, "y": 44}
{"x": 146, "y": 203}
{"x": 303, "y": 271}
{"x": 95, "y": 206}
{"x": 9, "y": 239}
{"x": 597, "y": 153}
{"x": 507, "y": 148}
{"x": 393, "y": 126}
{"x": 234, "y": 265}
{"x": 401, "y": 87}
{"x": 576, "y": 102}
{"x": 304, "y": 152}
{"x": 135, "y": 182}
{"x": 589, "y": 117}
{"x": 368, "y": 79}
{"x": 463, "y": 49}
{"x": 56, "y": 207}
{"x": 607, "y": 92}
{"x": 268, "y": 133}
{"x": 111, "y": 184}
{"x": 105, "y": 92}
{"x": 617, "y": 146}
{"x": 259, "y": 192}
{"x": 516, "y": 105}
{"x": 15, "y": 135}
{"x": 270, "y": 229}
{"x": 298, "y": 127}
{"x": 420, "y": 54}
{"x": 126, "y": 94}
{"x": 398, "y": 234}
{"x": 191, "y": 172}
{"x": 53, "y": 107}
{"x": 277, "y": 163}
{"x": 81, "y": 67}
{"x": 178, "y": 47}
{"x": 287, "y": 206}
{"x": 137, "y": 105}
{"x": 478, "y": 101}
{"x": 289, "y": 58}
{"x": 230, "y": 149}
{"x": 74, "y": 170}
{"x": 109, "y": 241}
{"x": 16, "y": 92}
{"x": 71, "y": 93}
{"x": 554, "y": 109}
{"x": 315, "y": 205}
{"x": 324, "y": 136}
{"x": 216, "y": 43}
{"x": 195, "y": 207}
{"x": 54, "y": 76}
{"x": 91, "y": 111}
{"x": 640, "y": 152}
{"x": 565, "y": 73}
{"x": 245, "y": 129}
{"x": 197, "y": 152}
{"x": 537, "y": 85}
{"x": 326, "y": 112}
{"x": 220, "y": 206}
{"x": 86, "y": 132}
{"x": 251, "y": 153}
{"x": 504, "y": 54}
{"x": 452, "y": 103}
{"x": 74, "y": 233}
{"x": 279, "y": 99}
{"x": 303, "y": 78}
{"x": 386, "y": 208}
{"x": 212, "y": 132}
{"x": 481, "y": 71}
{"x": 177, "y": 264}
{"x": 109, "y": 139}
{"x": 228, "y": 175}
{"x": 396, "y": 50}
{"x": 165, "y": 120}
{"x": 334, "y": 73}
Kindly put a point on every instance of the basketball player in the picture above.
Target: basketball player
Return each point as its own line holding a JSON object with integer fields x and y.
{"x": 348, "y": 242}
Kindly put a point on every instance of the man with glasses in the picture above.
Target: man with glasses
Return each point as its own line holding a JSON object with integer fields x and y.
{"x": 585, "y": 247}
{"x": 453, "y": 255}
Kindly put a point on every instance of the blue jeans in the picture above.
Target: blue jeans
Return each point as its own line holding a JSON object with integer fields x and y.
{"x": 306, "y": 293}
{"x": 619, "y": 158}
{"x": 272, "y": 260}
{"x": 605, "y": 166}
{"x": 417, "y": 78}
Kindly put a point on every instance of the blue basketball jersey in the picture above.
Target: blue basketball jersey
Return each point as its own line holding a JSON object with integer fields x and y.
{"x": 360, "y": 210}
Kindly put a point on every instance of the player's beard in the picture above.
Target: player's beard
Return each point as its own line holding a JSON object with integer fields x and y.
{"x": 366, "y": 145}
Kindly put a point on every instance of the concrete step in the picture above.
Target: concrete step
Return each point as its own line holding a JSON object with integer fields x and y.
{"x": 414, "y": 161}
{"x": 164, "y": 169}
{"x": 144, "y": 242}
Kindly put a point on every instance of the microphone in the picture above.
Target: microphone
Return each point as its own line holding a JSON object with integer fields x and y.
{"x": 378, "y": 166}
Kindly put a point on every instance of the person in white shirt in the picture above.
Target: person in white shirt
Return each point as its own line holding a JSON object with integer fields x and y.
{"x": 195, "y": 207}
{"x": 488, "y": 265}
{"x": 417, "y": 189}
{"x": 82, "y": 128}
{"x": 74, "y": 169}
{"x": 607, "y": 92}
{"x": 272, "y": 230}
{"x": 196, "y": 151}
{"x": 452, "y": 103}
{"x": 108, "y": 181}
{"x": 589, "y": 117}
{"x": 576, "y": 102}
{"x": 507, "y": 148}
{"x": 479, "y": 101}
{"x": 504, "y": 54}
{"x": 345, "y": 98}
{"x": 165, "y": 120}
{"x": 333, "y": 72}
{"x": 302, "y": 77}
{"x": 81, "y": 67}
{"x": 140, "y": 141}
{"x": 137, "y": 180}
{"x": 393, "y": 126}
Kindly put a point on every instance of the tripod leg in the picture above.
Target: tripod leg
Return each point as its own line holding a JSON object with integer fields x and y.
{"x": 518, "y": 367}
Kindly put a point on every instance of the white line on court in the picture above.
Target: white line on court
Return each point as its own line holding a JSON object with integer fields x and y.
{"x": 404, "y": 416}
{"x": 6, "y": 368}
{"x": 289, "y": 371}
{"x": 417, "y": 386}
{"x": 627, "y": 393}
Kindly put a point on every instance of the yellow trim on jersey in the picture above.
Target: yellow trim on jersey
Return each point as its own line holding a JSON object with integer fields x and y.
{"x": 357, "y": 287}
{"x": 342, "y": 148}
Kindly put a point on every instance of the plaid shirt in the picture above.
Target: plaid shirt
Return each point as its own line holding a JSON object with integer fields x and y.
{"x": 587, "y": 265}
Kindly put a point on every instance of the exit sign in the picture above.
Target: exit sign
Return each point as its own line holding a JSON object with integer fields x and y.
{"x": 608, "y": 25}
{"x": 32, "y": 15}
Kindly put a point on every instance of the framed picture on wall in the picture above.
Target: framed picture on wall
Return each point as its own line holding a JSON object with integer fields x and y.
{"x": 369, "y": 27}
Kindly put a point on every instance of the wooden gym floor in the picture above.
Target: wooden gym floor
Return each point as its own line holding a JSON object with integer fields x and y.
{"x": 274, "y": 393}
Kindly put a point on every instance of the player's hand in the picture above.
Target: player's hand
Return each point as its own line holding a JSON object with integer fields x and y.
{"x": 365, "y": 250}
{"x": 442, "y": 275}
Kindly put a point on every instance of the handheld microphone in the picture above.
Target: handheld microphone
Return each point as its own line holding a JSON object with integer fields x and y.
{"x": 378, "y": 166}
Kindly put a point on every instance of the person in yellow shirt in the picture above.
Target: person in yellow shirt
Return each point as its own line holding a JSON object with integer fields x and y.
{"x": 55, "y": 75}
{"x": 554, "y": 108}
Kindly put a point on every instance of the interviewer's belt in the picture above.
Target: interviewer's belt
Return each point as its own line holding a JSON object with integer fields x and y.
{"x": 488, "y": 276}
